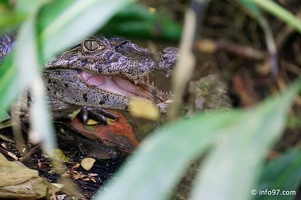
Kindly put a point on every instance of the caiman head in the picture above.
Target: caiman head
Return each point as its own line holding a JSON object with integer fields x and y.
{"x": 118, "y": 67}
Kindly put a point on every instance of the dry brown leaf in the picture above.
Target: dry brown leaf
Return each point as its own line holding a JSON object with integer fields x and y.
{"x": 18, "y": 181}
{"x": 87, "y": 163}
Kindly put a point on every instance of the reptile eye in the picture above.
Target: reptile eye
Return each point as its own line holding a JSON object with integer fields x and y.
{"x": 92, "y": 45}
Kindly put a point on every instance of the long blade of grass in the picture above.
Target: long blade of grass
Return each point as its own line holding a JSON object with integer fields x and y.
{"x": 28, "y": 65}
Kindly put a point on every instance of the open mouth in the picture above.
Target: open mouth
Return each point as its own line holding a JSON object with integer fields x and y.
{"x": 125, "y": 87}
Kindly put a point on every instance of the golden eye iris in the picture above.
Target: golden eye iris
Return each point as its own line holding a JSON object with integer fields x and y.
{"x": 92, "y": 45}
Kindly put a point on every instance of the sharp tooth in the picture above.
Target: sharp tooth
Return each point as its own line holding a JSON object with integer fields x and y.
{"x": 167, "y": 75}
{"x": 135, "y": 81}
{"x": 153, "y": 83}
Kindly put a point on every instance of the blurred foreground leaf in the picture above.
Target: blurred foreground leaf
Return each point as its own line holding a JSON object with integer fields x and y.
{"x": 161, "y": 160}
{"x": 10, "y": 16}
{"x": 137, "y": 21}
{"x": 73, "y": 22}
{"x": 156, "y": 167}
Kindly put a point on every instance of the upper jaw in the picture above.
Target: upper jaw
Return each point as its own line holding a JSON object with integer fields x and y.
{"x": 109, "y": 62}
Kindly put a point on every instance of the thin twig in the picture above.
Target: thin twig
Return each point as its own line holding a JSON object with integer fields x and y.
{"x": 211, "y": 46}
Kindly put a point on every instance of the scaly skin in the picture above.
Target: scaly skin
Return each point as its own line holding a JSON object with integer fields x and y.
{"x": 115, "y": 56}
{"x": 102, "y": 73}
{"x": 7, "y": 43}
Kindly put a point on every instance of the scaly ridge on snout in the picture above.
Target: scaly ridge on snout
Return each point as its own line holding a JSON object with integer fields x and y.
{"x": 117, "y": 67}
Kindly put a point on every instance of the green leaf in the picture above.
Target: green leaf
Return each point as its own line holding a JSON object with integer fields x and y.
{"x": 9, "y": 22}
{"x": 137, "y": 21}
{"x": 28, "y": 64}
{"x": 4, "y": 115}
{"x": 241, "y": 140}
{"x": 74, "y": 23}
{"x": 14, "y": 13}
{"x": 5, "y": 3}
{"x": 282, "y": 174}
{"x": 9, "y": 84}
{"x": 29, "y": 6}
{"x": 26, "y": 53}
